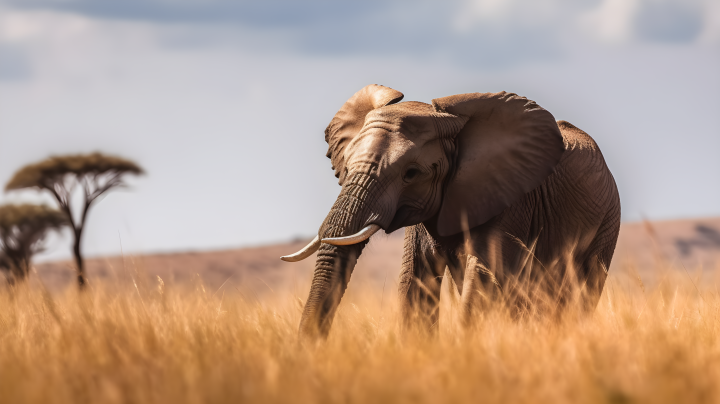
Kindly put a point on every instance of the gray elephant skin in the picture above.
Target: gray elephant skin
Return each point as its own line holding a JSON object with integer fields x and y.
{"x": 516, "y": 206}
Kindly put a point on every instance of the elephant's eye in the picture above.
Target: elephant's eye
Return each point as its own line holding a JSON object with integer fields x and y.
{"x": 411, "y": 174}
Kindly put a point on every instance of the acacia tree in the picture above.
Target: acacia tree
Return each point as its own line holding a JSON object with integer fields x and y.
{"x": 94, "y": 174}
{"x": 22, "y": 231}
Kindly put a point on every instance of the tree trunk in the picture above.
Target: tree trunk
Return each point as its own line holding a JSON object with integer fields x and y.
{"x": 18, "y": 269}
{"x": 80, "y": 265}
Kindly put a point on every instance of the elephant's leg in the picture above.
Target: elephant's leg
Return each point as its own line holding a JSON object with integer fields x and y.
{"x": 592, "y": 285}
{"x": 480, "y": 287}
{"x": 596, "y": 266}
{"x": 420, "y": 278}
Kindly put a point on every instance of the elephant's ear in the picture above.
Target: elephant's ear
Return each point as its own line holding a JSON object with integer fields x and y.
{"x": 350, "y": 119}
{"x": 507, "y": 148}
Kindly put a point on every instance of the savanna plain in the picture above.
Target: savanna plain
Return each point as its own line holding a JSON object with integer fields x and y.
{"x": 654, "y": 338}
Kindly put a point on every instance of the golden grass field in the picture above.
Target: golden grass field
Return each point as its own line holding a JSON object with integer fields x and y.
{"x": 146, "y": 342}
{"x": 221, "y": 327}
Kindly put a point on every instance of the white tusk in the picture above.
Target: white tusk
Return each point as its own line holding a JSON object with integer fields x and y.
{"x": 307, "y": 251}
{"x": 362, "y": 235}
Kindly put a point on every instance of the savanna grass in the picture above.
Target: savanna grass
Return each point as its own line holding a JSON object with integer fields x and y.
{"x": 155, "y": 344}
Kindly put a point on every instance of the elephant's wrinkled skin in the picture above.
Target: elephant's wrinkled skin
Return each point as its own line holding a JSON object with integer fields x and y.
{"x": 517, "y": 206}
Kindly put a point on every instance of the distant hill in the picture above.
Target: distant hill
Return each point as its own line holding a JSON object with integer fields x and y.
{"x": 648, "y": 247}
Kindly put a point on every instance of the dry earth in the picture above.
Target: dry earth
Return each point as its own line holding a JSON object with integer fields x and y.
{"x": 691, "y": 245}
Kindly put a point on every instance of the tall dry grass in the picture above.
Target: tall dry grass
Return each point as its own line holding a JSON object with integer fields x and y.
{"x": 157, "y": 344}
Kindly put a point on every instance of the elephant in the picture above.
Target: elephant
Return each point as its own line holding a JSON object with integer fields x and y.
{"x": 516, "y": 206}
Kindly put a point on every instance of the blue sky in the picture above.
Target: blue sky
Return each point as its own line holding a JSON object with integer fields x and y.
{"x": 224, "y": 102}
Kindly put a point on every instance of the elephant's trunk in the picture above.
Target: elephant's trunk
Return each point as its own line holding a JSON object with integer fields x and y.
{"x": 332, "y": 274}
{"x": 334, "y": 263}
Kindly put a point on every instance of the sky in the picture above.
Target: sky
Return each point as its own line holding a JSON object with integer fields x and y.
{"x": 224, "y": 103}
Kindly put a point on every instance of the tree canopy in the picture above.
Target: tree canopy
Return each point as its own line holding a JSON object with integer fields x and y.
{"x": 53, "y": 169}
{"x": 15, "y": 218}
{"x": 22, "y": 229}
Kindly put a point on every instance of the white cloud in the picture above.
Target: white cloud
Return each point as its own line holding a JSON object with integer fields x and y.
{"x": 18, "y": 25}
{"x": 478, "y": 11}
{"x": 670, "y": 21}
{"x": 526, "y": 12}
{"x": 612, "y": 21}
{"x": 711, "y": 16}
{"x": 605, "y": 21}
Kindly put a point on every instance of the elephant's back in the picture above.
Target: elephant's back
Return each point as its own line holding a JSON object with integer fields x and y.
{"x": 584, "y": 175}
{"x": 575, "y": 138}
{"x": 582, "y": 154}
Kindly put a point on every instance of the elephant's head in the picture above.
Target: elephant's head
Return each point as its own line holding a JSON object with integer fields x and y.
{"x": 457, "y": 162}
